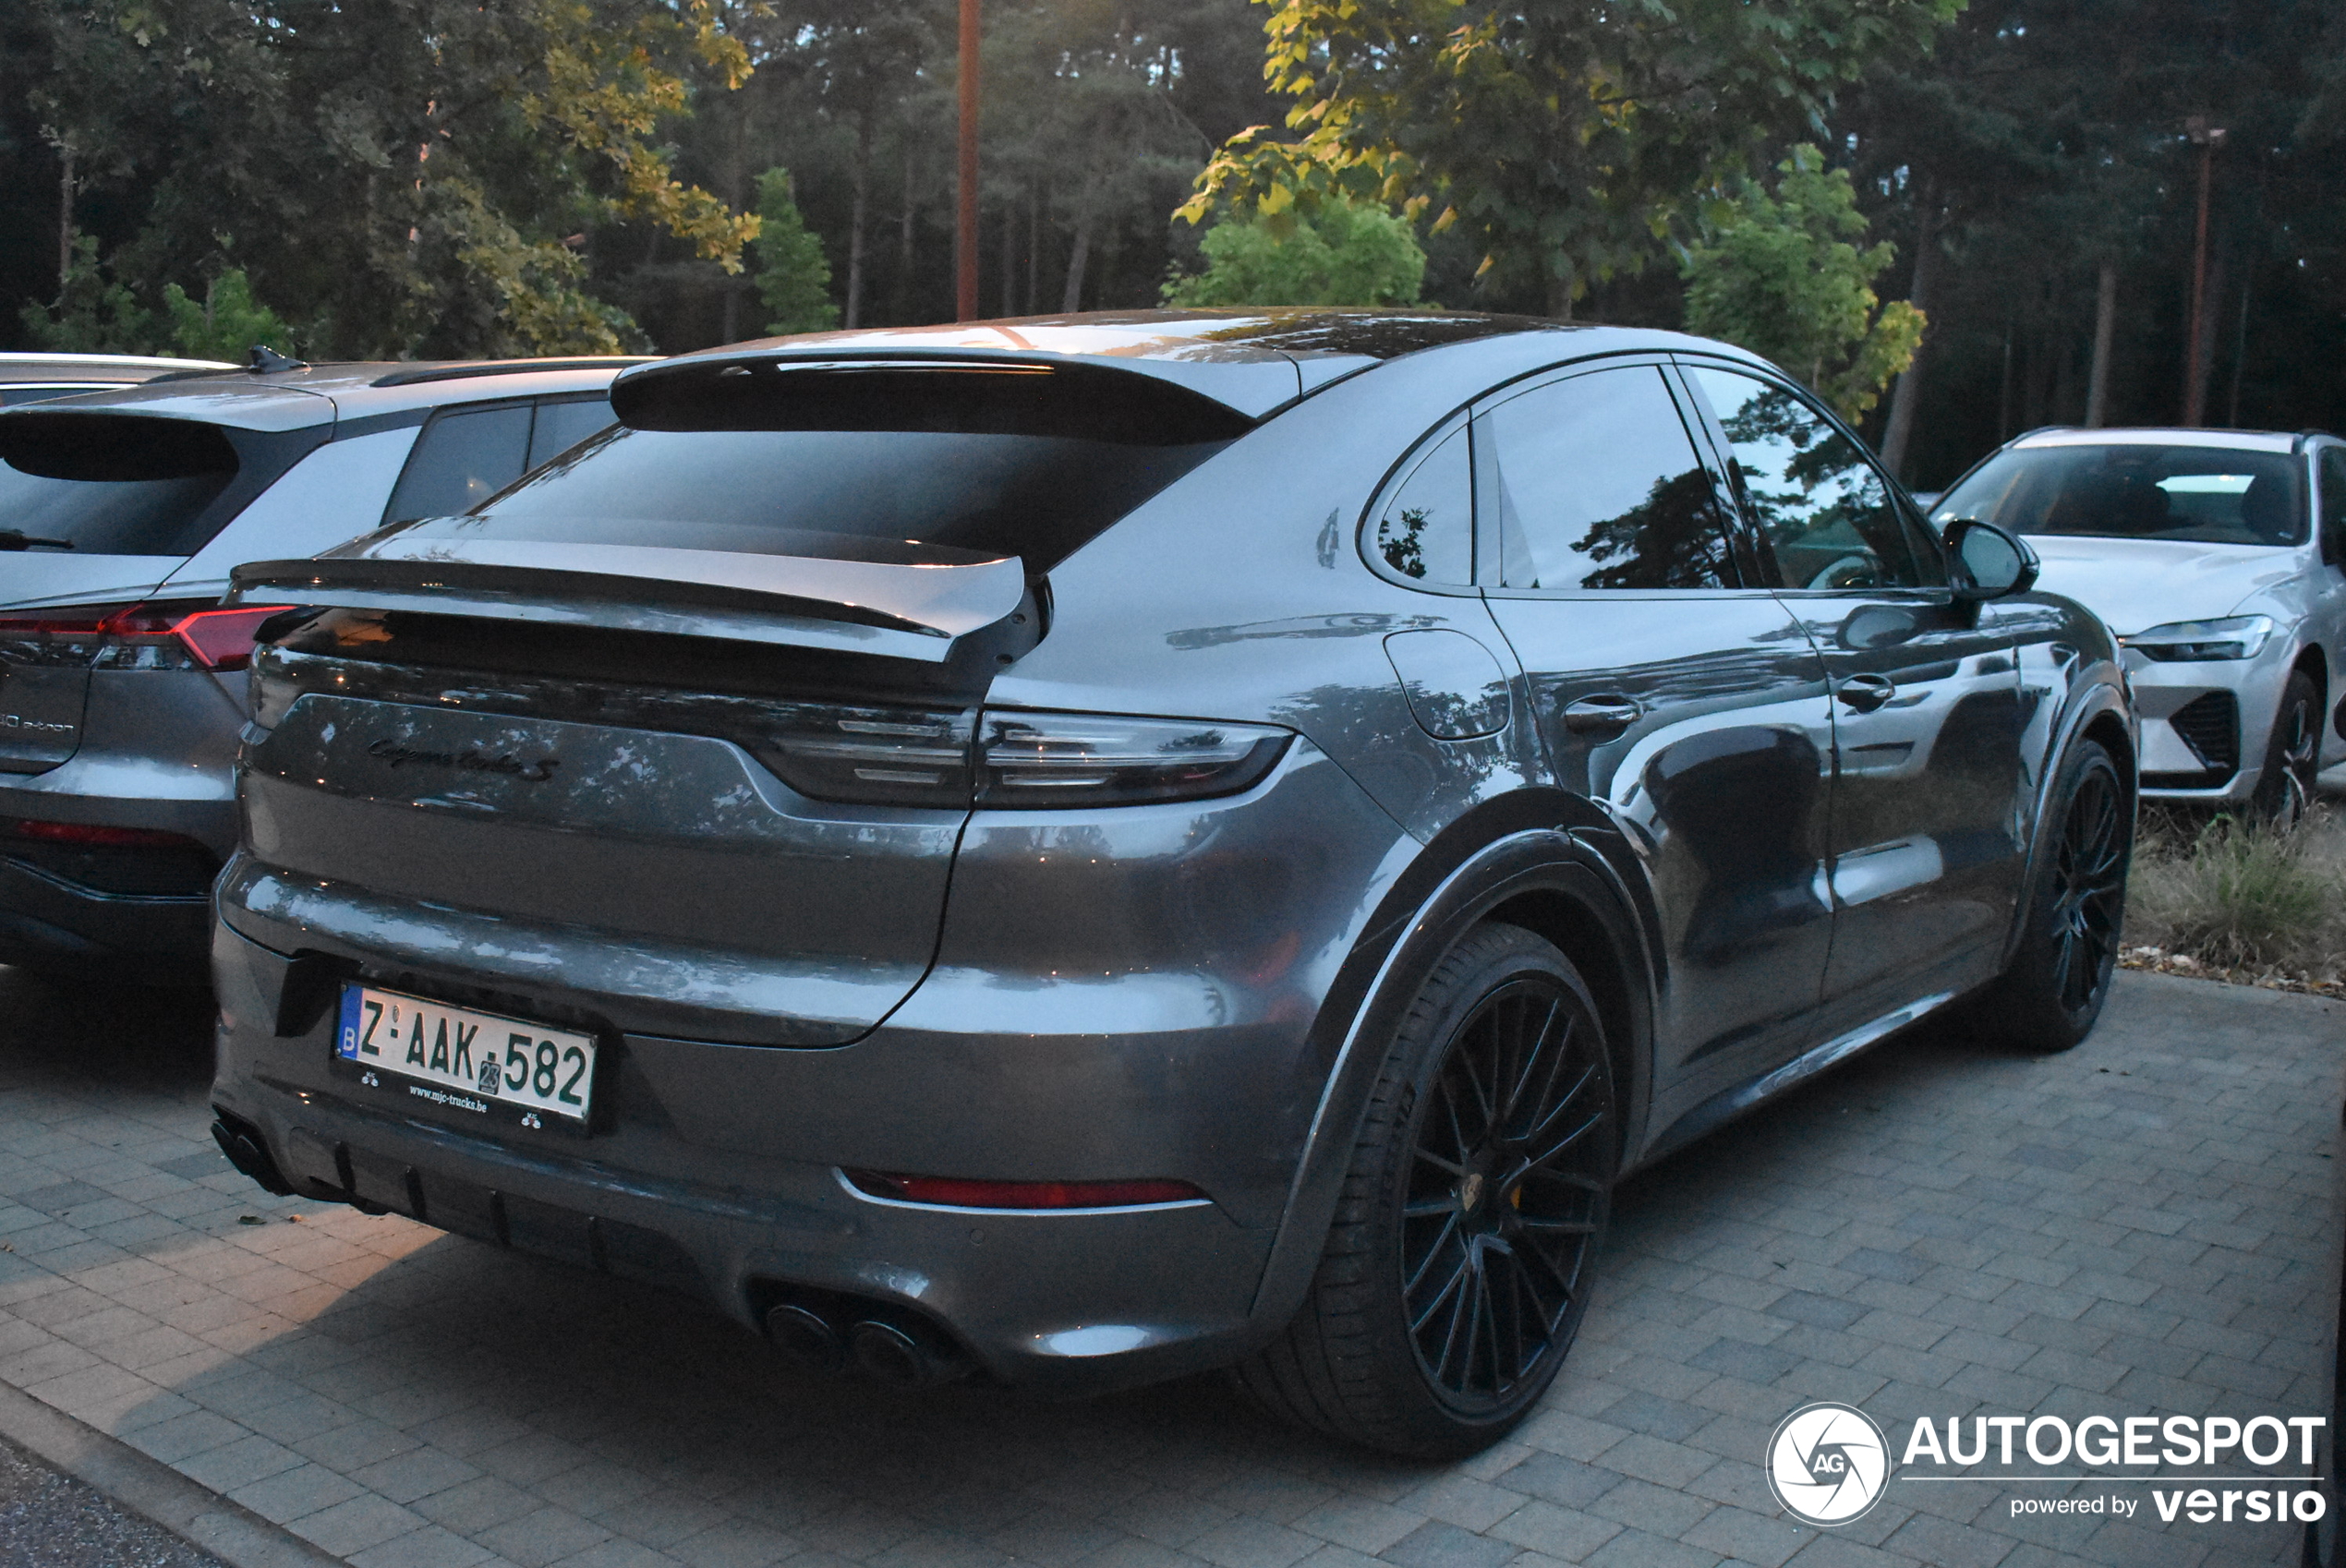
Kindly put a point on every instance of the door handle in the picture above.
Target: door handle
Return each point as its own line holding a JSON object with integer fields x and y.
{"x": 1867, "y": 693}
{"x": 1603, "y": 716}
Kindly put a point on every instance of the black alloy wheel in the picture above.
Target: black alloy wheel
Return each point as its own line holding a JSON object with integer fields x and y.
{"x": 2052, "y": 993}
{"x": 1508, "y": 1193}
{"x": 1466, "y": 1236}
{"x": 2089, "y": 881}
{"x": 2292, "y": 756}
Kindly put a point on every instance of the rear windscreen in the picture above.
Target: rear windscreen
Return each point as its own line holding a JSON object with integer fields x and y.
{"x": 865, "y": 462}
{"x": 113, "y": 486}
{"x": 2195, "y": 494}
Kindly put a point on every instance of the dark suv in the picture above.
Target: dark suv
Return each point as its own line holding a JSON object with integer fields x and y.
{"x": 1081, "y": 850}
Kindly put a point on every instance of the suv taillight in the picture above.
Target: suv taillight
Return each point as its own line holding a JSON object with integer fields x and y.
{"x": 1014, "y": 760}
{"x": 176, "y": 634}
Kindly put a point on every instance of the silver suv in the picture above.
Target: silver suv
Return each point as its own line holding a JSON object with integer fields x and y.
{"x": 122, "y": 677}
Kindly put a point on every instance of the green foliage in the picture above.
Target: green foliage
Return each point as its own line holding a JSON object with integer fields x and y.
{"x": 1345, "y": 253}
{"x": 1779, "y": 274}
{"x": 418, "y": 178}
{"x": 1563, "y": 137}
{"x": 94, "y": 313}
{"x": 792, "y": 277}
{"x": 227, "y": 324}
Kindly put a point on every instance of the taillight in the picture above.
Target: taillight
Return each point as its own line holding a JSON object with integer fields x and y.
{"x": 93, "y": 836}
{"x": 1031, "y": 760}
{"x": 960, "y": 1192}
{"x": 1020, "y": 760}
{"x": 873, "y": 755}
{"x": 184, "y": 634}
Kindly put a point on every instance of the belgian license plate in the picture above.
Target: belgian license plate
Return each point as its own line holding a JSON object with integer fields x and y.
{"x": 465, "y": 1061}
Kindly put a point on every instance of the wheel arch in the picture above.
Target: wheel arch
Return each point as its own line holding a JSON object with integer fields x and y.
{"x": 1544, "y": 859}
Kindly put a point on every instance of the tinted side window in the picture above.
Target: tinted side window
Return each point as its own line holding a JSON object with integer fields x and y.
{"x": 1595, "y": 484}
{"x": 462, "y": 460}
{"x": 1817, "y": 499}
{"x": 561, "y": 425}
{"x": 1427, "y": 530}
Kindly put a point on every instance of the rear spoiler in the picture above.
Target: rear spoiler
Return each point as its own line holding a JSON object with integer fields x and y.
{"x": 931, "y": 614}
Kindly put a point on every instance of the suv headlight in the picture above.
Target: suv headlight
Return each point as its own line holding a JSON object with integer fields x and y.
{"x": 2191, "y": 642}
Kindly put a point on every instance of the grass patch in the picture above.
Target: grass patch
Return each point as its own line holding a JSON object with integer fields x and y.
{"x": 2240, "y": 898}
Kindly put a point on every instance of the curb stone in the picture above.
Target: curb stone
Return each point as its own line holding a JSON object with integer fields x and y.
{"x": 151, "y": 1490}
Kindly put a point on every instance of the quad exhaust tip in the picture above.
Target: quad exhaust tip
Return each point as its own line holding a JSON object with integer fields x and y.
{"x": 891, "y": 1349}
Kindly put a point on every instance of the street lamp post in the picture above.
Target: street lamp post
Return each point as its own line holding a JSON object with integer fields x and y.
{"x": 965, "y": 213}
{"x": 2206, "y": 138}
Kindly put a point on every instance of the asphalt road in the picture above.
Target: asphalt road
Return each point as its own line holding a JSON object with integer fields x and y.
{"x": 48, "y": 1520}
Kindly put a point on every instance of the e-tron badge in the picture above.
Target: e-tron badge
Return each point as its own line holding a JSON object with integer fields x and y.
{"x": 1827, "y": 1464}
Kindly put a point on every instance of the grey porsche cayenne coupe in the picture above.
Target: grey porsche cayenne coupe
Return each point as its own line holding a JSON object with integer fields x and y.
{"x": 1077, "y": 850}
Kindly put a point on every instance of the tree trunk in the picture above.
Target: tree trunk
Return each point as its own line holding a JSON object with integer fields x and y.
{"x": 2105, "y": 329}
{"x": 1905, "y": 396}
{"x": 2240, "y": 344}
{"x": 729, "y": 329}
{"x": 2003, "y": 396}
{"x": 1009, "y": 258}
{"x": 1560, "y": 296}
{"x": 860, "y": 175}
{"x": 904, "y": 243}
{"x": 2203, "y": 355}
{"x": 65, "y": 222}
{"x": 1035, "y": 248}
{"x": 1072, "y": 298}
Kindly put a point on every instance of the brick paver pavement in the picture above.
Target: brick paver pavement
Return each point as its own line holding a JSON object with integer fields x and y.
{"x": 2137, "y": 1227}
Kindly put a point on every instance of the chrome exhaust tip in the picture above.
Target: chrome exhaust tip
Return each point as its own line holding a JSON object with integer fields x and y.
{"x": 807, "y": 1338}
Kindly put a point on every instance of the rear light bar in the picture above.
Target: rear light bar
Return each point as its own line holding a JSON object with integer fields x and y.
{"x": 958, "y": 1192}
{"x": 93, "y": 836}
{"x": 166, "y": 635}
{"x": 1015, "y": 760}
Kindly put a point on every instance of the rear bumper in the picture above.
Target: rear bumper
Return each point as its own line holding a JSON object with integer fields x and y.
{"x": 1072, "y": 1301}
{"x": 49, "y": 921}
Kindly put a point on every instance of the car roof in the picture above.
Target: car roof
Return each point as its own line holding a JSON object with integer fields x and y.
{"x": 2237, "y": 440}
{"x": 1253, "y": 360}
{"x": 319, "y": 394}
{"x": 16, "y": 367}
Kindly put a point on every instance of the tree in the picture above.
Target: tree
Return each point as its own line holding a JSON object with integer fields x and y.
{"x": 792, "y": 278}
{"x": 1778, "y": 274}
{"x": 1345, "y": 253}
{"x": 229, "y": 322}
{"x": 414, "y": 176}
{"x": 1564, "y": 136}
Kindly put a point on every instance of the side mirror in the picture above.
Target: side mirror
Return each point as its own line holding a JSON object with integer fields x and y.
{"x": 1991, "y": 563}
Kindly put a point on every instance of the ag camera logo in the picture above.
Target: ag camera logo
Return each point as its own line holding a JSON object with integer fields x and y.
{"x": 1827, "y": 1464}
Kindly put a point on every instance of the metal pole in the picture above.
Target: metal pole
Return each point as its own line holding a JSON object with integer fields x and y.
{"x": 2208, "y": 138}
{"x": 965, "y": 216}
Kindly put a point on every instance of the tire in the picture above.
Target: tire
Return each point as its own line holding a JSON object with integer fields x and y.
{"x": 2293, "y": 754}
{"x": 1458, "y": 1266}
{"x": 2050, "y": 997}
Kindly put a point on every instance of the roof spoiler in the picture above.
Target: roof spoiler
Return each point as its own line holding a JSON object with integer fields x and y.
{"x": 930, "y": 614}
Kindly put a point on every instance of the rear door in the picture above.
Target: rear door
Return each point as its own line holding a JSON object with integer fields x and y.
{"x": 1687, "y": 702}
{"x": 1929, "y": 812}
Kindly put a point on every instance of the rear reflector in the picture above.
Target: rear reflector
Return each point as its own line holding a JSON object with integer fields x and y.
{"x": 90, "y": 834}
{"x": 956, "y": 1193}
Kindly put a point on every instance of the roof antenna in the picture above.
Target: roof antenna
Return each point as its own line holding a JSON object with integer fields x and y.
{"x": 267, "y": 361}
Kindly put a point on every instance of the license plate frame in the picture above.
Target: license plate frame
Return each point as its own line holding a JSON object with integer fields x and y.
{"x": 433, "y": 1053}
